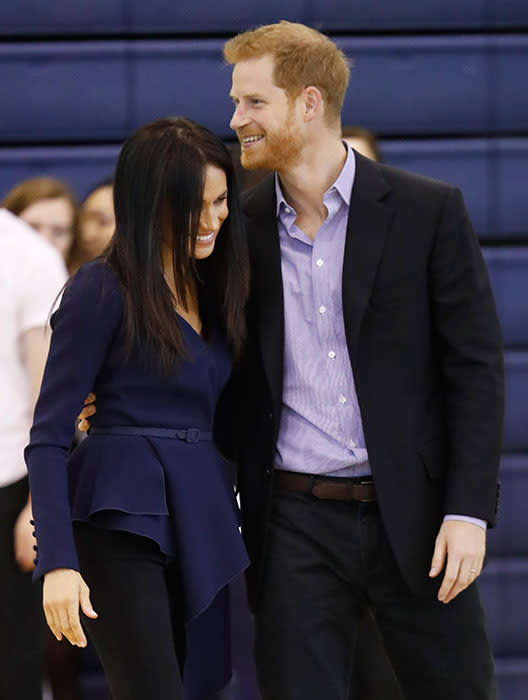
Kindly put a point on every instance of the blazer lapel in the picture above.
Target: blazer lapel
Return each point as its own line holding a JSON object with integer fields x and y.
{"x": 368, "y": 221}
{"x": 264, "y": 245}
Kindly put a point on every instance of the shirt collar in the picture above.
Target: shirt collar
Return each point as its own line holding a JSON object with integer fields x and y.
{"x": 343, "y": 185}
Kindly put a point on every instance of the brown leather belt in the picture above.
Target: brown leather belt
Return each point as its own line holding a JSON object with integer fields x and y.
{"x": 340, "y": 489}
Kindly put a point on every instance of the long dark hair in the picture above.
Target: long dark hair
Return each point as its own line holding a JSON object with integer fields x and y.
{"x": 158, "y": 187}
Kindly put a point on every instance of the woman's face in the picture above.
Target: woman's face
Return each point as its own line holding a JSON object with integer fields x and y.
{"x": 53, "y": 219}
{"x": 97, "y": 223}
{"x": 214, "y": 211}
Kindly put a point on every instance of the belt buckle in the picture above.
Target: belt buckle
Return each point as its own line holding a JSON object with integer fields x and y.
{"x": 193, "y": 435}
{"x": 369, "y": 482}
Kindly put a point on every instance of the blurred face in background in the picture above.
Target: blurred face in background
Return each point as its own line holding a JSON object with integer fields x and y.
{"x": 361, "y": 145}
{"x": 97, "y": 222}
{"x": 53, "y": 219}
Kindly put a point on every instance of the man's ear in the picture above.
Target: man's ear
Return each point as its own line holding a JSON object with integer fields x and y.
{"x": 313, "y": 102}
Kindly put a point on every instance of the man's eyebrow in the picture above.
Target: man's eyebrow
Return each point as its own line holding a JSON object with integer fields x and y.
{"x": 251, "y": 96}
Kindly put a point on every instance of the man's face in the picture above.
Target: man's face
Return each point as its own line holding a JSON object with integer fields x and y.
{"x": 268, "y": 124}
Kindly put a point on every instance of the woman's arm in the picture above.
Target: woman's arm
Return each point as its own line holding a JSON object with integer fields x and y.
{"x": 83, "y": 328}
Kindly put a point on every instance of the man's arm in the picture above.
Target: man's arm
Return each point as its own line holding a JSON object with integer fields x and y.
{"x": 472, "y": 367}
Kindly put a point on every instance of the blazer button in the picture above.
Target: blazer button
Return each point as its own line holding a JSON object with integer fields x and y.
{"x": 267, "y": 471}
{"x": 35, "y": 548}
{"x": 34, "y": 534}
{"x": 32, "y": 522}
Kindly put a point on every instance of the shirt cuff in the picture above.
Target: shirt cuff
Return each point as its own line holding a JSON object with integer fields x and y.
{"x": 467, "y": 519}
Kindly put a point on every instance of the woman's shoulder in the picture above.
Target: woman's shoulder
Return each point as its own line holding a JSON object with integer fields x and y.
{"x": 94, "y": 290}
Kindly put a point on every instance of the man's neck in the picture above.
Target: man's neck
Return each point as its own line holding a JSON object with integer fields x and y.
{"x": 305, "y": 183}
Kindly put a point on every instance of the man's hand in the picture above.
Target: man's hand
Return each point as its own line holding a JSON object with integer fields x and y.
{"x": 465, "y": 545}
{"x": 89, "y": 410}
{"x": 63, "y": 592}
{"x": 24, "y": 540}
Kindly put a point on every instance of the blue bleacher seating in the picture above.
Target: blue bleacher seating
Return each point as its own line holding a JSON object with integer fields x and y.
{"x": 503, "y": 585}
{"x": 512, "y": 678}
{"x": 60, "y": 16}
{"x": 490, "y": 172}
{"x": 509, "y": 165}
{"x": 108, "y": 16}
{"x": 508, "y": 65}
{"x": 99, "y": 90}
{"x": 230, "y": 15}
{"x": 516, "y": 415}
{"x": 186, "y": 77}
{"x": 64, "y": 91}
{"x": 464, "y": 163}
{"x": 80, "y": 166}
{"x": 510, "y": 537}
{"x": 508, "y": 269}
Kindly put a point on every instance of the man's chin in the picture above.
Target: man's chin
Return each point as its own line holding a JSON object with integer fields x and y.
{"x": 249, "y": 163}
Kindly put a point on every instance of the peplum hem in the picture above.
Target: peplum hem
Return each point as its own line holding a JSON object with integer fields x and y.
{"x": 187, "y": 506}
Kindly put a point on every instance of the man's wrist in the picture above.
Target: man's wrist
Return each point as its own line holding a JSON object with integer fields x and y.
{"x": 467, "y": 519}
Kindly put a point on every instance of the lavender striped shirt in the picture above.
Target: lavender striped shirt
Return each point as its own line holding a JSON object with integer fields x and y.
{"x": 321, "y": 430}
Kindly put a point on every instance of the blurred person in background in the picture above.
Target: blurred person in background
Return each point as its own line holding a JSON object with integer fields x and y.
{"x": 96, "y": 222}
{"x": 363, "y": 141}
{"x": 49, "y": 206}
{"x": 31, "y": 276}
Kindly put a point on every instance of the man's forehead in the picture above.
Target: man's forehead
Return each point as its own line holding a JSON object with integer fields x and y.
{"x": 253, "y": 75}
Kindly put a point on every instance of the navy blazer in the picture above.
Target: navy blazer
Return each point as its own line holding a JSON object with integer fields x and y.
{"x": 177, "y": 492}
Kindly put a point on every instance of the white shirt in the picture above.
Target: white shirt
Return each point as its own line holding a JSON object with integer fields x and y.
{"x": 32, "y": 273}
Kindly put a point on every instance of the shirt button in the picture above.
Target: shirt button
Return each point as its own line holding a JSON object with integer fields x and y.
{"x": 331, "y": 354}
{"x": 342, "y": 399}
{"x": 353, "y": 443}
{"x": 322, "y": 309}
{"x": 287, "y": 210}
{"x": 319, "y": 262}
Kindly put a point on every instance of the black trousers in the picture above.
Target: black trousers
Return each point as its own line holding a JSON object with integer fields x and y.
{"x": 21, "y": 616}
{"x": 139, "y": 634}
{"x": 327, "y": 561}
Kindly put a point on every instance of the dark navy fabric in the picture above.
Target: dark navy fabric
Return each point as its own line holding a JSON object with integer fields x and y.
{"x": 176, "y": 492}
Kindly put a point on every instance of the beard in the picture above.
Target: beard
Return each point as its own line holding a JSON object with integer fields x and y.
{"x": 278, "y": 151}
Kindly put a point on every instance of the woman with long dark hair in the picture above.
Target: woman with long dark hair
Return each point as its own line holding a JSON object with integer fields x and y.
{"x": 141, "y": 520}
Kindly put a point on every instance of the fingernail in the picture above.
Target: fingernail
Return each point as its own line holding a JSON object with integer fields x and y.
{"x": 433, "y": 571}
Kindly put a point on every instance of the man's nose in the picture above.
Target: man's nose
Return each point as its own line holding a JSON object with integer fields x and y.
{"x": 239, "y": 119}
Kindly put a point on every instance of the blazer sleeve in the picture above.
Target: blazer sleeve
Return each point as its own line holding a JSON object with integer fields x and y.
{"x": 84, "y": 326}
{"x": 470, "y": 343}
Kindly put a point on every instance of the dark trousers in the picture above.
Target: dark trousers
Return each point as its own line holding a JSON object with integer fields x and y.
{"x": 326, "y": 562}
{"x": 21, "y": 617}
{"x": 139, "y": 634}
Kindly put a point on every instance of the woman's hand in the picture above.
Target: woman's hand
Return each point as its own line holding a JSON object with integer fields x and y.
{"x": 89, "y": 410}
{"x": 64, "y": 591}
